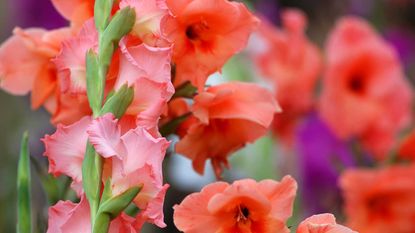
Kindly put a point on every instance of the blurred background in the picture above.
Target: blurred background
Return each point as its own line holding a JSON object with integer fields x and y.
{"x": 394, "y": 19}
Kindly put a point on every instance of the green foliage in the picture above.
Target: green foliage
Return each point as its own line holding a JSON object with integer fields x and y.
{"x": 24, "y": 217}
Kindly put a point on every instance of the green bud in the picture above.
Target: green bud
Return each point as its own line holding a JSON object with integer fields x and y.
{"x": 24, "y": 219}
{"x": 118, "y": 103}
{"x": 102, "y": 14}
{"x": 120, "y": 25}
{"x": 113, "y": 207}
{"x": 95, "y": 82}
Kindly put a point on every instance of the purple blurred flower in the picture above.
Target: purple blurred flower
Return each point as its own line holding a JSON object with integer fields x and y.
{"x": 359, "y": 7}
{"x": 404, "y": 42}
{"x": 35, "y": 13}
{"x": 321, "y": 158}
{"x": 269, "y": 9}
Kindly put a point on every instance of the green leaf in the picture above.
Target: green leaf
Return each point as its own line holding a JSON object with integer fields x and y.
{"x": 91, "y": 177}
{"x": 95, "y": 82}
{"x": 113, "y": 207}
{"x": 24, "y": 219}
{"x": 120, "y": 25}
{"x": 186, "y": 90}
{"x": 171, "y": 126}
{"x": 102, "y": 13}
{"x": 118, "y": 103}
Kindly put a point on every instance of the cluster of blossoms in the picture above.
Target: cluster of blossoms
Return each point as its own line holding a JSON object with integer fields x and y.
{"x": 364, "y": 99}
{"x": 127, "y": 74}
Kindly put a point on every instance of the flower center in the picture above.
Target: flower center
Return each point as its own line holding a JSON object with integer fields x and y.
{"x": 356, "y": 84}
{"x": 196, "y": 31}
{"x": 242, "y": 214}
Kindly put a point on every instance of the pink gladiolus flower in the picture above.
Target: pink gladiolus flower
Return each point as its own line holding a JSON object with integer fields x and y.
{"x": 365, "y": 94}
{"x": 205, "y": 34}
{"x": 381, "y": 200}
{"x": 70, "y": 63}
{"x": 229, "y": 115}
{"x": 244, "y": 206}
{"x": 65, "y": 150}
{"x": 149, "y": 16}
{"x": 293, "y": 64}
{"x": 136, "y": 160}
{"x": 68, "y": 217}
{"x": 322, "y": 223}
{"x": 147, "y": 69}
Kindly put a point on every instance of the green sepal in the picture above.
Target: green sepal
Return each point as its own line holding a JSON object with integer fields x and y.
{"x": 95, "y": 83}
{"x": 113, "y": 207}
{"x": 24, "y": 212}
{"x": 186, "y": 90}
{"x": 107, "y": 193}
{"x": 91, "y": 177}
{"x": 102, "y": 13}
{"x": 171, "y": 126}
{"x": 118, "y": 103}
{"x": 120, "y": 25}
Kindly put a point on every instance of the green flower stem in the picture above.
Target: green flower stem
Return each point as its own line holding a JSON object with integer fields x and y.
{"x": 24, "y": 216}
{"x": 110, "y": 33}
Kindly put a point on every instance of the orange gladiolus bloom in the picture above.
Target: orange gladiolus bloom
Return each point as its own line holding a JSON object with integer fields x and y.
{"x": 226, "y": 117}
{"x": 206, "y": 33}
{"x": 293, "y": 64}
{"x": 380, "y": 201}
{"x": 407, "y": 148}
{"x": 246, "y": 206}
{"x": 365, "y": 94}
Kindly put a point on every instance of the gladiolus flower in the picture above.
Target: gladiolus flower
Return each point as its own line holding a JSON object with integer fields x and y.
{"x": 244, "y": 206}
{"x": 76, "y": 11}
{"x": 70, "y": 63}
{"x": 407, "y": 148}
{"x": 205, "y": 34}
{"x": 322, "y": 223}
{"x": 147, "y": 69}
{"x": 365, "y": 94}
{"x": 149, "y": 16}
{"x": 293, "y": 64}
{"x": 379, "y": 201}
{"x": 65, "y": 150}
{"x": 227, "y": 116}
{"x": 136, "y": 160}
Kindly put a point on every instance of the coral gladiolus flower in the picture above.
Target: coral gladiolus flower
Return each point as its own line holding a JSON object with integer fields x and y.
{"x": 244, "y": 206}
{"x": 293, "y": 64}
{"x": 68, "y": 217}
{"x": 76, "y": 11}
{"x": 229, "y": 115}
{"x": 322, "y": 223}
{"x": 365, "y": 94}
{"x": 407, "y": 148}
{"x": 206, "y": 33}
{"x": 379, "y": 201}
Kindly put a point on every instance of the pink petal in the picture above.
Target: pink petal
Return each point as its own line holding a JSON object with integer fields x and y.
{"x": 65, "y": 149}
{"x": 104, "y": 134}
{"x": 71, "y": 60}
